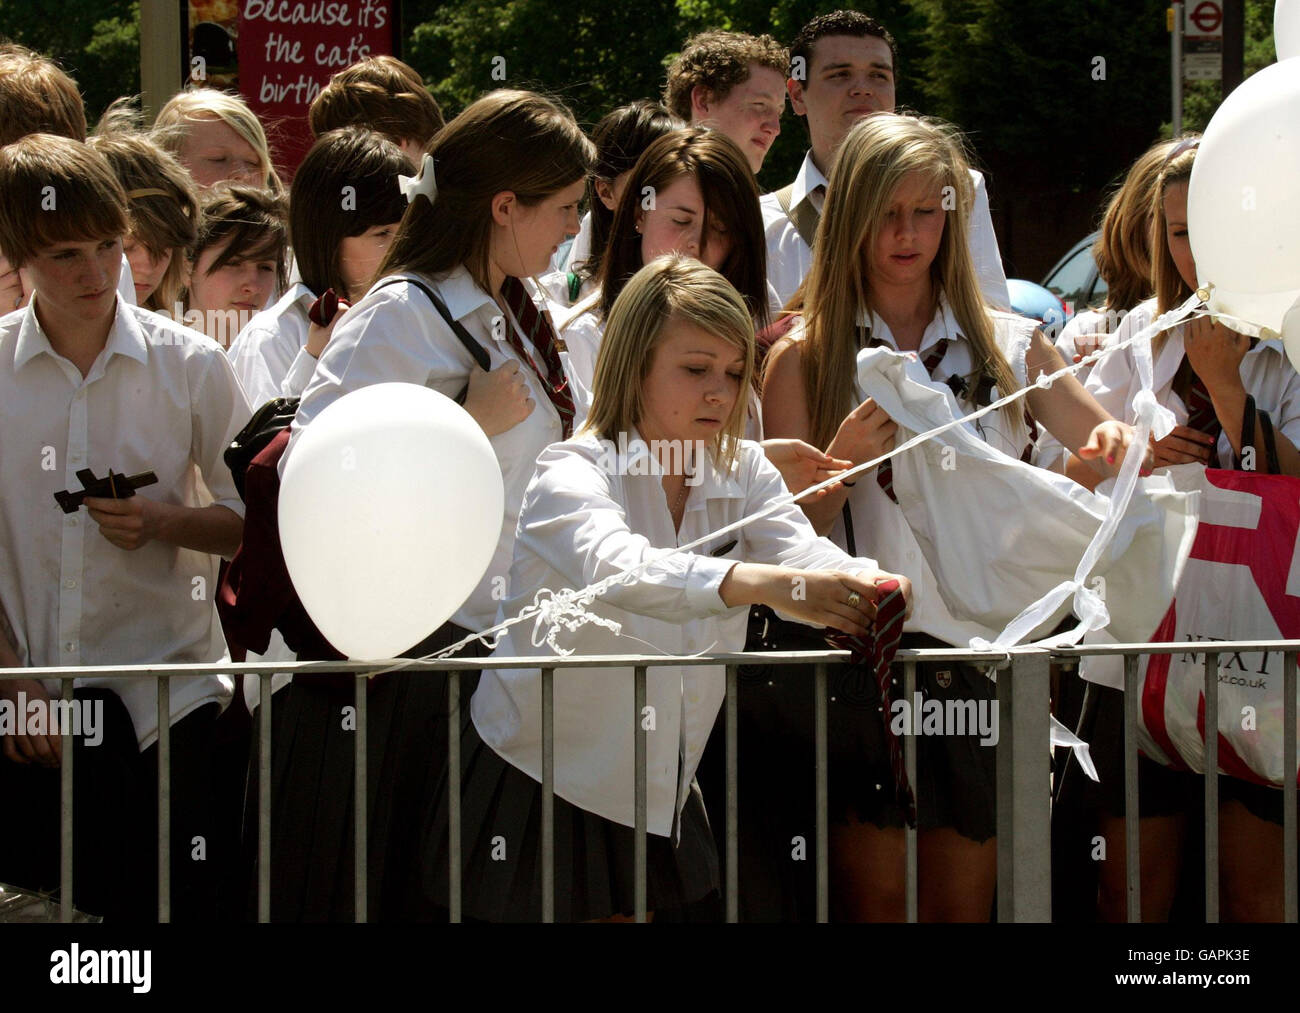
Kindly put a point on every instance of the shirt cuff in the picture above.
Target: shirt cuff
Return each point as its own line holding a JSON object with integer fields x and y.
{"x": 299, "y": 375}
{"x": 704, "y": 584}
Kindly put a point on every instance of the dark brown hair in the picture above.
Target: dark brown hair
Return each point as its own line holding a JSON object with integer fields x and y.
{"x": 508, "y": 140}
{"x": 853, "y": 23}
{"x": 254, "y": 221}
{"x": 620, "y": 138}
{"x": 322, "y": 215}
{"x": 727, "y": 185}
{"x": 56, "y": 190}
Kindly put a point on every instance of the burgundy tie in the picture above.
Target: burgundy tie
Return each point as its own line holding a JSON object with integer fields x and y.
{"x": 885, "y": 470}
{"x": 877, "y": 651}
{"x": 1201, "y": 415}
{"x": 540, "y": 334}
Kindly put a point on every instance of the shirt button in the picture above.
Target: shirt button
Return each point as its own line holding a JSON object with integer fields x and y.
{"x": 69, "y": 583}
{"x": 72, "y": 522}
{"x": 70, "y": 646}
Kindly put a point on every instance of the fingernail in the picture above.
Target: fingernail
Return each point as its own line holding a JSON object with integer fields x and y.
{"x": 1111, "y": 459}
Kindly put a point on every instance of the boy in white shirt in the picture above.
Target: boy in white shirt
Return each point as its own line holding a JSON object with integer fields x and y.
{"x": 87, "y": 382}
{"x": 842, "y": 68}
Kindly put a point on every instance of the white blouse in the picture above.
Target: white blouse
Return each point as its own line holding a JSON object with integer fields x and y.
{"x": 1266, "y": 372}
{"x": 395, "y": 334}
{"x": 267, "y": 350}
{"x": 879, "y": 526}
{"x": 591, "y": 511}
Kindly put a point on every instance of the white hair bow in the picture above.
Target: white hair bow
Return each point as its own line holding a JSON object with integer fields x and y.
{"x": 424, "y": 183}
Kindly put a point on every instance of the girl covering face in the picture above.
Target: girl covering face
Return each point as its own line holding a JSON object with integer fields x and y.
{"x": 658, "y": 463}
{"x": 892, "y": 267}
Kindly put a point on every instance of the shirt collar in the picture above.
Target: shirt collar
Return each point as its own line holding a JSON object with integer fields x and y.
{"x": 298, "y": 294}
{"x": 125, "y": 337}
{"x": 944, "y": 325}
{"x": 461, "y": 293}
{"x": 809, "y": 179}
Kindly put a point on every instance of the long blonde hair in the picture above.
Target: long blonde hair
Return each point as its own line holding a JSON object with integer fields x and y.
{"x": 877, "y": 155}
{"x": 670, "y": 287}
{"x": 1123, "y": 247}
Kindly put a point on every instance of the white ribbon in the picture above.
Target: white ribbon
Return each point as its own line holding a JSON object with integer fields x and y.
{"x": 423, "y": 183}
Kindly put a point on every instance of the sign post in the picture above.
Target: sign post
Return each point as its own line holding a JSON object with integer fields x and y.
{"x": 1203, "y": 40}
{"x": 1175, "y": 24}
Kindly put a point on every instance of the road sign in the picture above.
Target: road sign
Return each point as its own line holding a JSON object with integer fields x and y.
{"x": 1203, "y": 40}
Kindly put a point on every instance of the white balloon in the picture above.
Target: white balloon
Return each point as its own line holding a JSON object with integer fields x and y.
{"x": 391, "y": 506}
{"x": 1291, "y": 334}
{"x": 1286, "y": 28}
{"x": 1243, "y": 207}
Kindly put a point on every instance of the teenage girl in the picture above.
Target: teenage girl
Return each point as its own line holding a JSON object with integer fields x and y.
{"x": 891, "y": 266}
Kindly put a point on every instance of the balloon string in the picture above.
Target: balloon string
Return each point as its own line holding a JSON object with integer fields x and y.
{"x": 568, "y": 607}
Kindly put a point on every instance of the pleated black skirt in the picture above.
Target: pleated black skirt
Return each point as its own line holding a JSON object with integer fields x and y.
{"x": 312, "y": 778}
{"x": 501, "y": 835}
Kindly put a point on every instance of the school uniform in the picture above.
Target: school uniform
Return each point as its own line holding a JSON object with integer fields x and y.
{"x": 789, "y": 256}
{"x": 270, "y": 354}
{"x": 393, "y": 334}
{"x": 589, "y": 512}
{"x": 1269, "y": 377}
{"x": 162, "y": 398}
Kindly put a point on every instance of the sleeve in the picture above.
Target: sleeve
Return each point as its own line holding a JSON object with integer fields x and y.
{"x": 786, "y": 537}
{"x": 297, "y": 379}
{"x": 1110, "y": 379}
{"x": 1287, "y": 420}
{"x": 219, "y": 411}
{"x": 260, "y": 362}
{"x": 387, "y": 337}
{"x": 984, "y": 248}
{"x": 572, "y": 521}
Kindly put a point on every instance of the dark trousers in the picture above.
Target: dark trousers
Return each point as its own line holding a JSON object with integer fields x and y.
{"x": 115, "y": 820}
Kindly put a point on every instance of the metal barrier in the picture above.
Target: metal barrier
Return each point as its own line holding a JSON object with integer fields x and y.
{"x": 1023, "y": 764}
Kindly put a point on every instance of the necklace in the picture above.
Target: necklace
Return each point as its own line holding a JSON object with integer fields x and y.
{"x": 681, "y": 499}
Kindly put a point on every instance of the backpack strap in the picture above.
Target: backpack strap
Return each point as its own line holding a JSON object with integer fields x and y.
{"x": 803, "y": 216}
{"x": 472, "y": 346}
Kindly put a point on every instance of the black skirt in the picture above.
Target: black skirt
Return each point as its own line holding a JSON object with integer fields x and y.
{"x": 312, "y": 789}
{"x": 501, "y": 812}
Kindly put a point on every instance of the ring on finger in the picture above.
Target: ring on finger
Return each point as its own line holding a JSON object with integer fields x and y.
{"x": 855, "y": 599}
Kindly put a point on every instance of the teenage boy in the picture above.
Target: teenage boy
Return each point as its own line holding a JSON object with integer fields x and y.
{"x": 842, "y": 68}
{"x": 383, "y": 94}
{"x": 734, "y": 83}
{"x": 88, "y": 382}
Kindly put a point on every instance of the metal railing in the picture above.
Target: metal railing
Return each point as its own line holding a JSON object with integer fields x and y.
{"x": 1023, "y": 759}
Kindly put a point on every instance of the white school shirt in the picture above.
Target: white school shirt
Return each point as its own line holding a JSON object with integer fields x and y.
{"x": 395, "y": 334}
{"x": 789, "y": 258}
{"x": 160, "y": 397}
{"x": 879, "y": 526}
{"x": 1266, "y": 373}
{"x": 591, "y": 511}
{"x": 268, "y": 347}
{"x": 1049, "y": 453}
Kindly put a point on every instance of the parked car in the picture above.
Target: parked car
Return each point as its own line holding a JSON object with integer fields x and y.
{"x": 1073, "y": 284}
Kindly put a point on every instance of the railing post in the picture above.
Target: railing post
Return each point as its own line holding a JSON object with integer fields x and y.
{"x": 1132, "y": 803}
{"x": 66, "y": 908}
{"x": 1024, "y": 796}
{"x": 911, "y": 878}
{"x": 1211, "y": 694}
{"x": 548, "y": 795}
{"x": 733, "y": 799}
{"x": 264, "y": 797}
{"x": 823, "y": 809}
{"x": 1289, "y": 718}
{"x": 639, "y": 801}
{"x": 164, "y": 799}
{"x": 361, "y": 805}
{"x": 453, "y": 797}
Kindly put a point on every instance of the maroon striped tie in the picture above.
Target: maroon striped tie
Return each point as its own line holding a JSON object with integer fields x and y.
{"x": 877, "y": 651}
{"x": 1201, "y": 415}
{"x": 542, "y": 337}
{"x": 885, "y": 470}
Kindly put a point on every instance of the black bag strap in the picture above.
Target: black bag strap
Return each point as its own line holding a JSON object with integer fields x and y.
{"x": 471, "y": 344}
{"x": 849, "y": 541}
{"x": 1270, "y": 444}
{"x": 1247, "y": 432}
